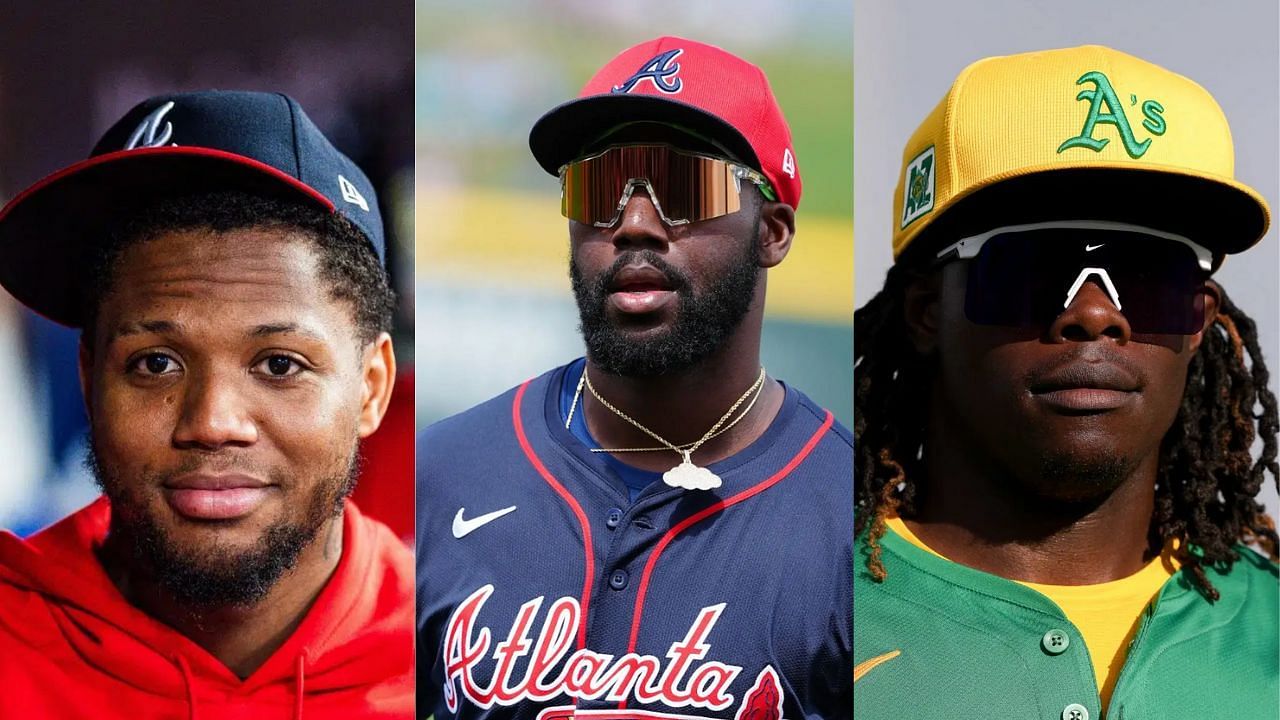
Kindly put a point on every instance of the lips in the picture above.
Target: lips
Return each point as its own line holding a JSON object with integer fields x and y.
{"x": 639, "y": 289}
{"x": 1086, "y": 387}
{"x": 216, "y": 497}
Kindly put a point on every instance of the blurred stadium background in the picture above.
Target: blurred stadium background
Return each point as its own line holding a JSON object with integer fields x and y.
{"x": 494, "y": 302}
{"x": 65, "y": 76}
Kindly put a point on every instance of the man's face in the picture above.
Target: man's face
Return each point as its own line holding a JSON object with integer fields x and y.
{"x": 1067, "y": 411}
{"x": 654, "y": 298}
{"x": 225, "y": 392}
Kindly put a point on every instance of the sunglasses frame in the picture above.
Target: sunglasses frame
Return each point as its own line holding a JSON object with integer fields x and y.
{"x": 968, "y": 248}
{"x": 739, "y": 173}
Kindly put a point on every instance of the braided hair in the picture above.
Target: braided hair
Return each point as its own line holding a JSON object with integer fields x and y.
{"x": 1207, "y": 478}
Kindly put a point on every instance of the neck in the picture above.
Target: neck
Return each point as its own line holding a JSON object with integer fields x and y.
{"x": 682, "y": 406}
{"x": 979, "y": 514}
{"x": 242, "y": 637}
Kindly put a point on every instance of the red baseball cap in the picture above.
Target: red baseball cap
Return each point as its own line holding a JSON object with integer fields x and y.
{"x": 695, "y": 87}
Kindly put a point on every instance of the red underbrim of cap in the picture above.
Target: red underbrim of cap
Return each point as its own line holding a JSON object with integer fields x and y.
{"x": 566, "y": 130}
{"x": 46, "y": 230}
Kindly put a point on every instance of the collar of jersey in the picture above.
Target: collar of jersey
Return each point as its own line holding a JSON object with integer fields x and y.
{"x": 990, "y": 585}
{"x": 596, "y": 461}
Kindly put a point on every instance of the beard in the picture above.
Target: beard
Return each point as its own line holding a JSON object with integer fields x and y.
{"x": 1076, "y": 480}
{"x": 217, "y": 575}
{"x": 703, "y": 322}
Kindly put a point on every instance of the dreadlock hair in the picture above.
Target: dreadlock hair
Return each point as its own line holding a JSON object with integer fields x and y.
{"x": 1207, "y": 478}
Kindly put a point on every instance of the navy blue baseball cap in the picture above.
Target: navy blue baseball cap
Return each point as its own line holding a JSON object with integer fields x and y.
{"x": 169, "y": 145}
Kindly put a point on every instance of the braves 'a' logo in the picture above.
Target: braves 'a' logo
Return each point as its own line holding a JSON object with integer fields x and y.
{"x": 661, "y": 71}
{"x": 148, "y": 133}
{"x": 550, "y": 671}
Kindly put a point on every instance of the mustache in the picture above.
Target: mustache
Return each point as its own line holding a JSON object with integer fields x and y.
{"x": 215, "y": 463}
{"x": 677, "y": 280}
{"x": 1090, "y": 364}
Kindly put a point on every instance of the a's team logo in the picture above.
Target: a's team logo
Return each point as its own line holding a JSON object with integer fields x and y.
{"x": 917, "y": 191}
{"x": 351, "y": 194}
{"x": 789, "y": 163}
{"x": 1105, "y": 108}
{"x": 661, "y": 71}
{"x": 546, "y": 667}
{"x": 149, "y": 133}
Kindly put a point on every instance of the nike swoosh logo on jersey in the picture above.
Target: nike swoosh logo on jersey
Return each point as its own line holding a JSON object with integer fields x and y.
{"x": 867, "y": 666}
{"x": 463, "y": 527}
{"x": 1091, "y": 248}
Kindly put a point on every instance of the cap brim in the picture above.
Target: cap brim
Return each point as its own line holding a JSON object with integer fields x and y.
{"x": 45, "y": 231}
{"x": 566, "y": 130}
{"x": 1219, "y": 213}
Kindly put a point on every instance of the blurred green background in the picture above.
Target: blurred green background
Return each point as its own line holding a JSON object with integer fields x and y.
{"x": 493, "y": 300}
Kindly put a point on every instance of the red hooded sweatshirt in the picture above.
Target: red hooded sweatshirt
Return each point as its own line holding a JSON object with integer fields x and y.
{"x": 71, "y": 646}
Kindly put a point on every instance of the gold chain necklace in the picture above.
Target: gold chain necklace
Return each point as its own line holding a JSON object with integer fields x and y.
{"x": 686, "y": 475}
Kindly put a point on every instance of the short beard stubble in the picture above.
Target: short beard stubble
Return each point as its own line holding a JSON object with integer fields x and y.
{"x": 702, "y": 325}
{"x": 217, "y": 576}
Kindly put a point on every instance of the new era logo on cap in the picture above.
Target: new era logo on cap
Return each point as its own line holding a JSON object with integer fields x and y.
{"x": 351, "y": 194}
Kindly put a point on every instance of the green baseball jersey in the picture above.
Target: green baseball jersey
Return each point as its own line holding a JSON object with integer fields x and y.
{"x": 937, "y": 639}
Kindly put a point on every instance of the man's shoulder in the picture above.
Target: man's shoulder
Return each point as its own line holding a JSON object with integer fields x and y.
{"x": 392, "y": 558}
{"x": 1257, "y": 580}
{"x": 808, "y": 408}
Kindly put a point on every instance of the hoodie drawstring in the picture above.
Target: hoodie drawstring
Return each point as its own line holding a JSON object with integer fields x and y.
{"x": 187, "y": 680}
{"x": 299, "y": 682}
{"x": 297, "y": 687}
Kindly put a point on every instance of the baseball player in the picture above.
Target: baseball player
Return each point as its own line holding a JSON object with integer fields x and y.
{"x": 659, "y": 529}
{"x": 1056, "y": 410}
{"x": 224, "y": 263}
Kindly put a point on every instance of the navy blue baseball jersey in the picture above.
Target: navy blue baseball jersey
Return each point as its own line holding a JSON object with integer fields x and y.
{"x": 544, "y": 593}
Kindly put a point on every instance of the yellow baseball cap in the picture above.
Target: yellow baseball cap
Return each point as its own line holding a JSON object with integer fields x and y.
{"x": 1077, "y": 133}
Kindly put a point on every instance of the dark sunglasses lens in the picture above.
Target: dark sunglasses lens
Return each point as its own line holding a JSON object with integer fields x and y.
{"x": 1022, "y": 279}
{"x": 1160, "y": 285}
{"x": 686, "y": 187}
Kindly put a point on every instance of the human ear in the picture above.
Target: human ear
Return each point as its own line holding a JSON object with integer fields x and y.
{"x": 379, "y": 371}
{"x": 1212, "y": 299}
{"x": 777, "y": 229}
{"x": 920, "y": 311}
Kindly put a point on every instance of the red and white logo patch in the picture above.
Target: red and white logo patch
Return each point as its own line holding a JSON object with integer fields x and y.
{"x": 683, "y": 679}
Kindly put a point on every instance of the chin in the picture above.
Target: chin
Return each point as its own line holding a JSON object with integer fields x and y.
{"x": 225, "y": 569}
{"x": 1079, "y": 476}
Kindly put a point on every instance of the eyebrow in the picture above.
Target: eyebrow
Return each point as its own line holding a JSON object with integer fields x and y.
{"x": 284, "y": 329}
{"x": 160, "y": 327}
{"x": 157, "y": 327}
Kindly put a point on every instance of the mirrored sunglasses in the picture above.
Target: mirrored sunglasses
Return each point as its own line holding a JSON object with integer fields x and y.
{"x": 684, "y": 187}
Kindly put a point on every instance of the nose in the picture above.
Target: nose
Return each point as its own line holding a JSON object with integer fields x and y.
{"x": 640, "y": 224}
{"x": 215, "y": 414}
{"x": 1091, "y": 315}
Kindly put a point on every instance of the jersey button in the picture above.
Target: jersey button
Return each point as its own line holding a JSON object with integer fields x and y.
{"x": 1075, "y": 711}
{"x": 614, "y": 517}
{"x": 618, "y": 580}
{"x": 1055, "y": 642}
